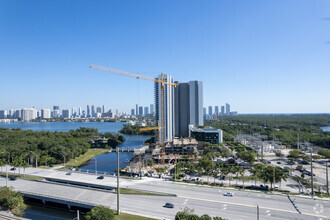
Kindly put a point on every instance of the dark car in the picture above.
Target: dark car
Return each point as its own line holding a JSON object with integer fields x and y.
{"x": 13, "y": 168}
{"x": 68, "y": 174}
{"x": 100, "y": 177}
{"x": 12, "y": 178}
{"x": 169, "y": 205}
{"x": 278, "y": 162}
{"x": 290, "y": 162}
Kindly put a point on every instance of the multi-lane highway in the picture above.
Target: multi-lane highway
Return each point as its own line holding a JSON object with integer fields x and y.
{"x": 204, "y": 200}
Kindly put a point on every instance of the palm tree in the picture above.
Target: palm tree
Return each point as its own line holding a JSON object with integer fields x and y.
{"x": 3, "y": 162}
{"x": 241, "y": 172}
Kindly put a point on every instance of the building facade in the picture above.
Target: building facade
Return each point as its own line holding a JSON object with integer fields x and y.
{"x": 188, "y": 107}
{"x": 168, "y": 107}
{"x": 29, "y": 114}
{"x": 227, "y": 109}
{"x": 45, "y": 113}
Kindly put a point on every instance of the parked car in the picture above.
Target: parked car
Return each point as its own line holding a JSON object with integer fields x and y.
{"x": 13, "y": 168}
{"x": 291, "y": 163}
{"x": 278, "y": 162}
{"x": 169, "y": 205}
{"x": 264, "y": 187}
{"x": 68, "y": 173}
{"x": 229, "y": 194}
{"x": 276, "y": 187}
{"x": 12, "y": 178}
{"x": 100, "y": 177}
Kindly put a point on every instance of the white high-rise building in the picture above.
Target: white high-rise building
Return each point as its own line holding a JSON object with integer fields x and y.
{"x": 169, "y": 107}
{"x": 227, "y": 109}
{"x": 56, "y": 113}
{"x": 80, "y": 112}
{"x": 29, "y": 114}
{"x": 74, "y": 112}
{"x": 45, "y": 113}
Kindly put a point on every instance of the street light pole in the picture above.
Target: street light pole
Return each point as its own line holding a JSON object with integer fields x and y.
{"x": 274, "y": 178}
{"x": 63, "y": 159}
{"x": 95, "y": 165}
{"x": 312, "y": 181}
{"x": 118, "y": 190}
{"x": 36, "y": 158}
{"x": 7, "y": 167}
{"x": 326, "y": 173}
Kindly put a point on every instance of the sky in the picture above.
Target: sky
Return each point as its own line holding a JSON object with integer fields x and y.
{"x": 259, "y": 56}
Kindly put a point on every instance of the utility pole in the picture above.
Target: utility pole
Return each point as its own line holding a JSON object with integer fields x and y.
{"x": 118, "y": 190}
{"x": 312, "y": 181}
{"x": 257, "y": 212}
{"x": 6, "y": 175}
{"x": 326, "y": 173}
{"x": 78, "y": 218}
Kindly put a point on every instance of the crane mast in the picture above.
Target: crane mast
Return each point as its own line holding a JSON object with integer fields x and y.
{"x": 161, "y": 133}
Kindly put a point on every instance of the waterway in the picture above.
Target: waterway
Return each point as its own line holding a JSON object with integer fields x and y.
{"x": 326, "y": 128}
{"x": 105, "y": 162}
{"x": 36, "y": 212}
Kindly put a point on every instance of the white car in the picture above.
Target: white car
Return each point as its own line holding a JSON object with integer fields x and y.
{"x": 228, "y": 194}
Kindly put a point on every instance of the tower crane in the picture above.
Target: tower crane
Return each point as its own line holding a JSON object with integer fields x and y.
{"x": 162, "y": 105}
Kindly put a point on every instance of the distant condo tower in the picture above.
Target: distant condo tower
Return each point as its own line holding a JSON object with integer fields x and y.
{"x": 88, "y": 111}
{"x": 227, "y": 109}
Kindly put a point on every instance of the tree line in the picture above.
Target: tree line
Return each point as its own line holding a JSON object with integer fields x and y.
{"x": 25, "y": 146}
{"x": 135, "y": 130}
{"x": 284, "y": 128}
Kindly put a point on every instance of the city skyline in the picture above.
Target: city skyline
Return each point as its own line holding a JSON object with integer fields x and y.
{"x": 247, "y": 53}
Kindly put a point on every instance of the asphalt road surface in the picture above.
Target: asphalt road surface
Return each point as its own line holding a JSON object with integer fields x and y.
{"x": 204, "y": 200}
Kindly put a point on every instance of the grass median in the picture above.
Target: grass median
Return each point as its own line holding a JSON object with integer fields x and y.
{"x": 141, "y": 193}
{"x": 125, "y": 216}
{"x": 93, "y": 152}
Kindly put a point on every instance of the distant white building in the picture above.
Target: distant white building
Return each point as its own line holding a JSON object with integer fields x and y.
{"x": 29, "y": 114}
{"x": 56, "y": 113}
{"x": 45, "y": 113}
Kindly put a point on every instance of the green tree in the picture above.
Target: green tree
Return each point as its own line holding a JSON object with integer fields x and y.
{"x": 12, "y": 201}
{"x": 257, "y": 171}
{"x": 151, "y": 162}
{"x": 324, "y": 153}
{"x": 269, "y": 173}
{"x": 205, "y": 217}
{"x": 247, "y": 156}
{"x": 100, "y": 213}
{"x": 295, "y": 153}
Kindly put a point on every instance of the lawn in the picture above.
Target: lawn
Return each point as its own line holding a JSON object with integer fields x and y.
{"x": 76, "y": 162}
{"x": 125, "y": 216}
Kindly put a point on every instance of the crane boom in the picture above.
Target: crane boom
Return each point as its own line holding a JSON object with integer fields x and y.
{"x": 130, "y": 74}
{"x": 150, "y": 128}
{"x": 160, "y": 129}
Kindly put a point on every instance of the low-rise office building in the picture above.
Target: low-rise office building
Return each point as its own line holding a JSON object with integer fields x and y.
{"x": 209, "y": 134}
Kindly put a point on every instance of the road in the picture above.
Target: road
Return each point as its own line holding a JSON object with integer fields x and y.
{"x": 204, "y": 200}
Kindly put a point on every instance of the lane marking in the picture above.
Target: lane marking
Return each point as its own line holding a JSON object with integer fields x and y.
{"x": 252, "y": 206}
